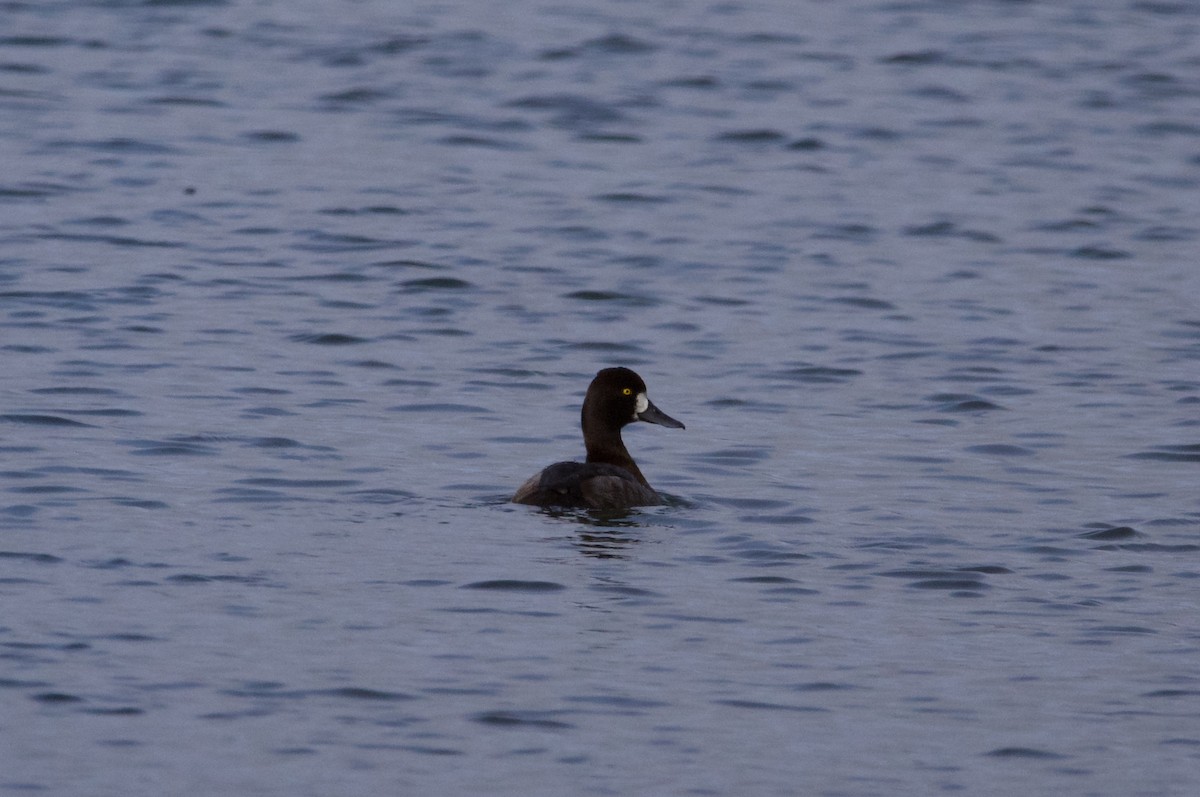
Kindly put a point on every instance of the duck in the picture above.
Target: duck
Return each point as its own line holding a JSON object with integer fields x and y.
{"x": 608, "y": 479}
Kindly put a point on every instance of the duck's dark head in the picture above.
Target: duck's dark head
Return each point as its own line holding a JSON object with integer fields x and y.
{"x": 616, "y": 397}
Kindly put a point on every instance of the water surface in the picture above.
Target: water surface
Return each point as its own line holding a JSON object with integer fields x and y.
{"x": 293, "y": 296}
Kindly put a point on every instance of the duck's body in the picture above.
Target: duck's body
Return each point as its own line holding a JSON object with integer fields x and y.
{"x": 609, "y": 479}
{"x": 586, "y": 485}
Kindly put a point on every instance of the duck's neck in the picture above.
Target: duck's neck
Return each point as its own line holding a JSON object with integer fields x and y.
{"x": 607, "y": 446}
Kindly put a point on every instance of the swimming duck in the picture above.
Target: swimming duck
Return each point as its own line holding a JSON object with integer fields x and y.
{"x": 609, "y": 479}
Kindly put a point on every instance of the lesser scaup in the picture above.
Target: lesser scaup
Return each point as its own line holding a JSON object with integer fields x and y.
{"x": 609, "y": 479}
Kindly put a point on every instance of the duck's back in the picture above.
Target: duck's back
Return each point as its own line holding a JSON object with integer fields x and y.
{"x": 586, "y": 485}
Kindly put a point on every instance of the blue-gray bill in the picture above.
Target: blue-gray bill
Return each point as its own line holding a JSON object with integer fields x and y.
{"x": 653, "y": 414}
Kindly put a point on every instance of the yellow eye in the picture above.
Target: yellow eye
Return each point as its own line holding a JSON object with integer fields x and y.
{"x": 626, "y": 392}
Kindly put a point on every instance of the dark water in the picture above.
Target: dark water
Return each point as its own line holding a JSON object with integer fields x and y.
{"x": 293, "y": 295}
